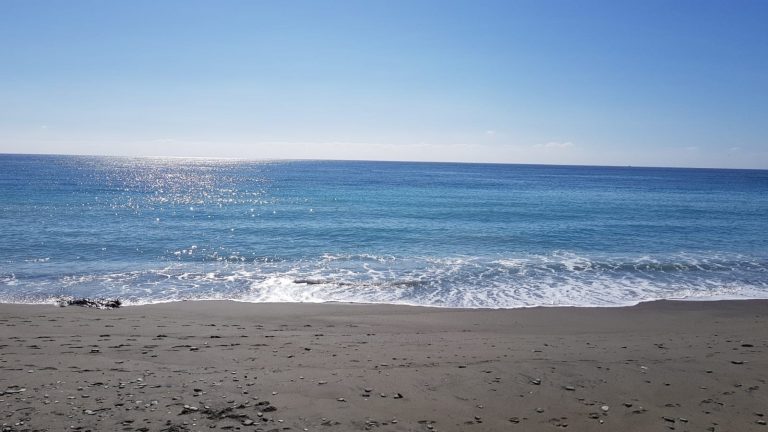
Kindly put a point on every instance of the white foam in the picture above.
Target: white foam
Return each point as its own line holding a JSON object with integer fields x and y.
{"x": 557, "y": 279}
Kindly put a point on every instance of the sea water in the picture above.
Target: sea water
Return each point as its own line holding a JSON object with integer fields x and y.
{"x": 149, "y": 230}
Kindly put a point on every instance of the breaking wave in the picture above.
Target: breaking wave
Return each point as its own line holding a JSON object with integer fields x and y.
{"x": 557, "y": 279}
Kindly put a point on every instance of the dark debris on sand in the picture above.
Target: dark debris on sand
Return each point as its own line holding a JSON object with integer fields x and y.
{"x": 99, "y": 303}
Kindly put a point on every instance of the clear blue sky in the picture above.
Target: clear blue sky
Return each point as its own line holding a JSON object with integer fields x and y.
{"x": 670, "y": 83}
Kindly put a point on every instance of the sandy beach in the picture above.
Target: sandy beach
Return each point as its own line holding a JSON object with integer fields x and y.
{"x": 198, "y": 366}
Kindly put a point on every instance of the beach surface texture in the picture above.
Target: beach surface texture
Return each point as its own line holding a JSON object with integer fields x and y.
{"x": 221, "y": 365}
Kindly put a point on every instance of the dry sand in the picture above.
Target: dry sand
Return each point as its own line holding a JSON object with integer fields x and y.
{"x": 698, "y": 366}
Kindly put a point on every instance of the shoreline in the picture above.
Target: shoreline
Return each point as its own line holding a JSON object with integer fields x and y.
{"x": 227, "y": 365}
{"x": 124, "y": 304}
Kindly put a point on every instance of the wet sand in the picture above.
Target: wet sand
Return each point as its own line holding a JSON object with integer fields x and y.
{"x": 200, "y": 366}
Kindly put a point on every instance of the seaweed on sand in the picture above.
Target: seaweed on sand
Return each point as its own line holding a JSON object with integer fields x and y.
{"x": 99, "y": 303}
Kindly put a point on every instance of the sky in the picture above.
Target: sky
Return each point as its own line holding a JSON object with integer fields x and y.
{"x": 642, "y": 83}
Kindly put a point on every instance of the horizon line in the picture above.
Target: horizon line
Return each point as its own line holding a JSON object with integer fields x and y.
{"x": 249, "y": 159}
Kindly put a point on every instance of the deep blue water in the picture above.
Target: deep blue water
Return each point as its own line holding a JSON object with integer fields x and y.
{"x": 457, "y": 235}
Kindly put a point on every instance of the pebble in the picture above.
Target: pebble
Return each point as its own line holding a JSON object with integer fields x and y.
{"x": 605, "y": 408}
{"x": 570, "y": 388}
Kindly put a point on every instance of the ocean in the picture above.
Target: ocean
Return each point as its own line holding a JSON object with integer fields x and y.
{"x": 148, "y": 230}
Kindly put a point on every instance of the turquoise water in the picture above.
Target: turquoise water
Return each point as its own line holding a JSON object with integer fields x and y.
{"x": 453, "y": 235}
